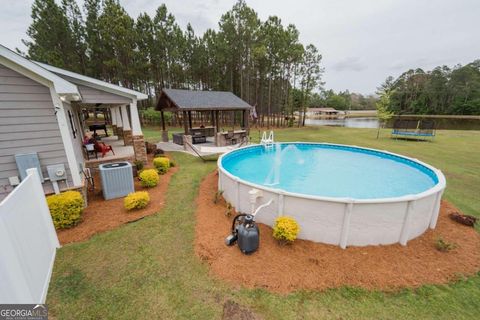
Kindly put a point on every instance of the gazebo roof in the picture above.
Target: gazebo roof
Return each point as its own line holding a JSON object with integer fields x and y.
{"x": 191, "y": 100}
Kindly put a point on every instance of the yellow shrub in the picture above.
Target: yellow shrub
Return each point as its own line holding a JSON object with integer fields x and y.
{"x": 149, "y": 178}
{"x": 161, "y": 164}
{"x": 286, "y": 229}
{"x": 136, "y": 200}
{"x": 66, "y": 208}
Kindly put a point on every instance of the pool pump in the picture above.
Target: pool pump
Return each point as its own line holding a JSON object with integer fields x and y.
{"x": 245, "y": 232}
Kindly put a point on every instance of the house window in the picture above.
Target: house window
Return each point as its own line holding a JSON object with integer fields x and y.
{"x": 72, "y": 124}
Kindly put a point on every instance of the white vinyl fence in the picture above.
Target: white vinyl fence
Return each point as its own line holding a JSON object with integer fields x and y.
{"x": 28, "y": 243}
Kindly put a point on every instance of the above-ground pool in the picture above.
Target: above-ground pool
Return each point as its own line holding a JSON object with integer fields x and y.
{"x": 338, "y": 194}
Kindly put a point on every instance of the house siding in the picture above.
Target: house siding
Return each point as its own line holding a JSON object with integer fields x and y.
{"x": 27, "y": 124}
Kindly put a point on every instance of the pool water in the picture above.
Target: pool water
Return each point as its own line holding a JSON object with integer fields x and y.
{"x": 330, "y": 171}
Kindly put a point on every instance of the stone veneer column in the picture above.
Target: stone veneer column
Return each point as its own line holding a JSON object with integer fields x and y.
{"x": 119, "y": 132}
{"x": 139, "y": 148}
{"x": 128, "y": 137}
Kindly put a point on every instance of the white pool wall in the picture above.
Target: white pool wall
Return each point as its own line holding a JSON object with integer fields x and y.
{"x": 342, "y": 221}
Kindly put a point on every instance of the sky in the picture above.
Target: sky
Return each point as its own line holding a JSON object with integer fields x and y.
{"x": 362, "y": 42}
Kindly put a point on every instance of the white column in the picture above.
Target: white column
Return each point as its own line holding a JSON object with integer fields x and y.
{"x": 66, "y": 139}
{"x": 113, "y": 116}
{"x": 136, "y": 127}
{"x": 119, "y": 117}
{"x": 125, "y": 121}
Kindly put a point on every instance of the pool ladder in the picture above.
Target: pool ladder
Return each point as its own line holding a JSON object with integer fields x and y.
{"x": 267, "y": 142}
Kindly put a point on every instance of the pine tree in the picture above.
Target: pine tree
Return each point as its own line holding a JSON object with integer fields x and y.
{"x": 95, "y": 49}
{"x": 51, "y": 39}
{"x": 76, "y": 27}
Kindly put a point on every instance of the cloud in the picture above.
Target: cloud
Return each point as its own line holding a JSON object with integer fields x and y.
{"x": 349, "y": 64}
{"x": 362, "y": 42}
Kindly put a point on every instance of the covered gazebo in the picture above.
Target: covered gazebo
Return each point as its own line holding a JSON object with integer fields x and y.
{"x": 209, "y": 105}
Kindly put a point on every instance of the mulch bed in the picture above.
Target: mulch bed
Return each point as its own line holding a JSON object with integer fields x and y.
{"x": 101, "y": 215}
{"x": 315, "y": 266}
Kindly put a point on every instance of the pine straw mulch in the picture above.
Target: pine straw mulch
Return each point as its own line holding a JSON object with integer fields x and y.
{"x": 103, "y": 215}
{"x": 315, "y": 266}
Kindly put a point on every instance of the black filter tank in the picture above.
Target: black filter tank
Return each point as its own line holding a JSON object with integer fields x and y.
{"x": 245, "y": 232}
{"x": 248, "y": 235}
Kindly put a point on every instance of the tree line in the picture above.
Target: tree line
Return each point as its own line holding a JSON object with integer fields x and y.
{"x": 263, "y": 62}
{"x": 342, "y": 100}
{"x": 443, "y": 90}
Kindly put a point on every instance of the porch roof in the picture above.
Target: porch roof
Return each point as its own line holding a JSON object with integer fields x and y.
{"x": 80, "y": 79}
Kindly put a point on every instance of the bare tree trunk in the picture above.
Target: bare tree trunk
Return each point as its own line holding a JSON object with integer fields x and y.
{"x": 269, "y": 101}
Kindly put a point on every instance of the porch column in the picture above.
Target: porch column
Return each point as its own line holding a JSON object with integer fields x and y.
{"x": 137, "y": 135}
{"x": 113, "y": 116}
{"x": 127, "y": 130}
{"x": 119, "y": 122}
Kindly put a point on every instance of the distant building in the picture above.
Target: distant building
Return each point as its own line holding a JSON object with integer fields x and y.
{"x": 324, "y": 112}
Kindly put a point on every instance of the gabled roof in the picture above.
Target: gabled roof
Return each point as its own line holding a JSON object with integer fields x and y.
{"x": 64, "y": 82}
{"x": 94, "y": 83}
{"x": 190, "y": 100}
{"x": 62, "y": 87}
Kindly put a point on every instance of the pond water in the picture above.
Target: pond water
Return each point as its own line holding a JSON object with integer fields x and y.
{"x": 372, "y": 122}
{"x": 361, "y": 122}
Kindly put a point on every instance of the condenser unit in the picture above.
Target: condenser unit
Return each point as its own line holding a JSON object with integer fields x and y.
{"x": 117, "y": 179}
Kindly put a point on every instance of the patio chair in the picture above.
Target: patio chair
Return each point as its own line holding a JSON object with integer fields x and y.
{"x": 90, "y": 150}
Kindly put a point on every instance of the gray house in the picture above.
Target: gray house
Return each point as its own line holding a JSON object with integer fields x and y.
{"x": 42, "y": 122}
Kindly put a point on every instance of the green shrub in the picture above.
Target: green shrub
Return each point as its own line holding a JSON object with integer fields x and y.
{"x": 136, "y": 200}
{"x": 149, "y": 178}
{"x": 285, "y": 229}
{"x": 139, "y": 164}
{"x": 162, "y": 164}
{"x": 218, "y": 196}
{"x": 229, "y": 210}
{"x": 444, "y": 246}
{"x": 153, "y": 116}
{"x": 66, "y": 208}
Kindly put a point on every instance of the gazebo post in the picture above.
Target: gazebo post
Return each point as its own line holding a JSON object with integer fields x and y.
{"x": 190, "y": 119}
{"x": 245, "y": 121}
{"x": 163, "y": 120}
{"x": 185, "y": 122}
{"x": 164, "y": 131}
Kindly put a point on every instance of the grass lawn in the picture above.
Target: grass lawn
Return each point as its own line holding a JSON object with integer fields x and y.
{"x": 147, "y": 269}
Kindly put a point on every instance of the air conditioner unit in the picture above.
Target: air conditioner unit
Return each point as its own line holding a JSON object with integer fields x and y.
{"x": 117, "y": 179}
